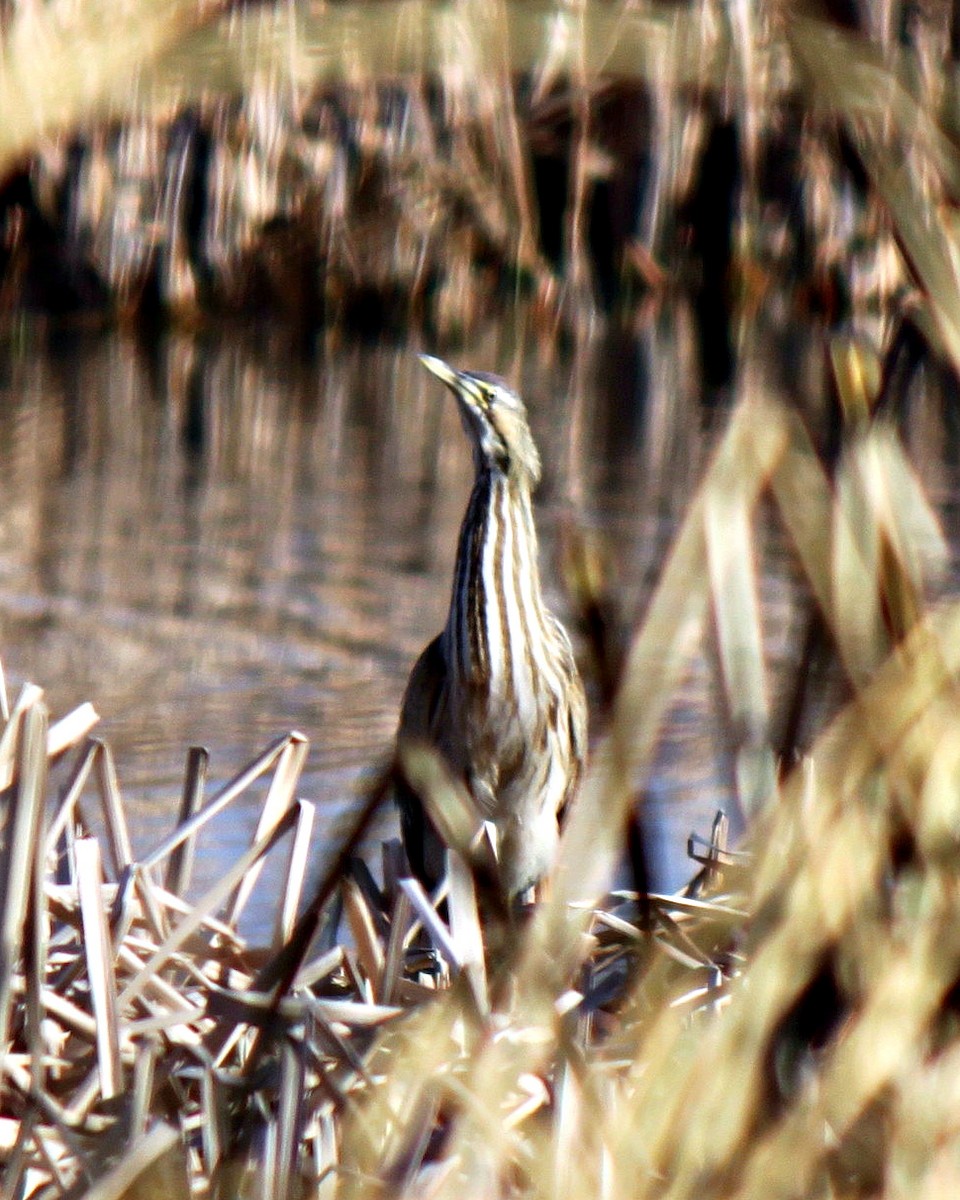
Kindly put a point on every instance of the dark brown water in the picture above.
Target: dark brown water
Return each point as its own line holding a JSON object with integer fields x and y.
{"x": 216, "y": 541}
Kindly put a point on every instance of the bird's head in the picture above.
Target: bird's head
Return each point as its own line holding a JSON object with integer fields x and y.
{"x": 494, "y": 418}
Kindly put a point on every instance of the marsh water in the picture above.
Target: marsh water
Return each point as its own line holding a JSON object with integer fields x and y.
{"x": 220, "y": 538}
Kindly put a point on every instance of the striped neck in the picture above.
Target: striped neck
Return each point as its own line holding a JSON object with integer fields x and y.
{"x": 496, "y": 615}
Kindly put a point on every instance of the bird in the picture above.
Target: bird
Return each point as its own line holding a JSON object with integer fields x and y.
{"x": 497, "y": 694}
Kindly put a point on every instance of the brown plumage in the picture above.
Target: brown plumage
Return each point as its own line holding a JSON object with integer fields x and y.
{"x": 497, "y": 693}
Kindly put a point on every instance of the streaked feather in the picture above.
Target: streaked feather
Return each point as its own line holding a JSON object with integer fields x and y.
{"x": 498, "y": 693}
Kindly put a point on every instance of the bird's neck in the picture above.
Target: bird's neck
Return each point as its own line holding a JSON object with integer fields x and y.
{"x": 496, "y": 602}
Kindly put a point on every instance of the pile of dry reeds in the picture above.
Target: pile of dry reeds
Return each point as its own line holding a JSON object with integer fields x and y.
{"x": 144, "y": 1040}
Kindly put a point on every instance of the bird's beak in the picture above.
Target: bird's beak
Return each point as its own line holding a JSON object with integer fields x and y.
{"x": 442, "y": 371}
{"x": 471, "y": 411}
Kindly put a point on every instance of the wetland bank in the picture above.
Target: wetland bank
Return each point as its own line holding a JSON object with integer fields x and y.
{"x": 714, "y": 247}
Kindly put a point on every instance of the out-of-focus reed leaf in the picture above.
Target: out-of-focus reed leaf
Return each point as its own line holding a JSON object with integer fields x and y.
{"x": 743, "y": 465}
{"x": 736, "y": 611}
{"x": 303, "y": 47}
{"x": 122, "y": 1179}
{"x": 64, "y": 62}
{"x": 912, "y": 162}
{"x": 851, "y": 78}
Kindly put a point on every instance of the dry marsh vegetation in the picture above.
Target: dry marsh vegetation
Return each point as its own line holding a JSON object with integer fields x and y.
{"x": 297, "y": 160}
{"x": 788, "y": 1026}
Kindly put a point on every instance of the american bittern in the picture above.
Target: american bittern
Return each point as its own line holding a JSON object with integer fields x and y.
{"x": 497, "y": 694}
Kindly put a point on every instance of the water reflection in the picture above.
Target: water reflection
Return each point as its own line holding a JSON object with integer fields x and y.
{"x": 216, "y": 540}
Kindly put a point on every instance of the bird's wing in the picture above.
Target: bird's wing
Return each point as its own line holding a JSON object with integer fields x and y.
{"x": 418, "y": 716}
{"x": 421, "y": 700}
